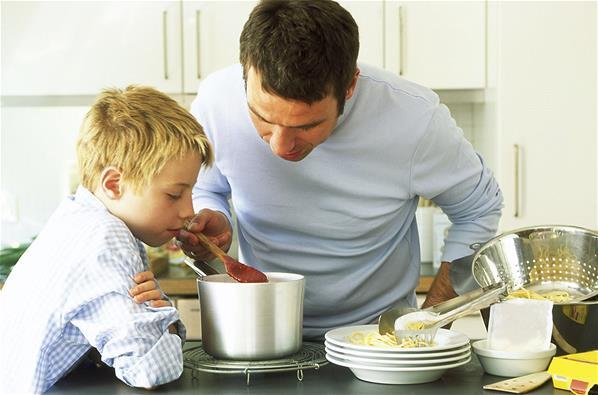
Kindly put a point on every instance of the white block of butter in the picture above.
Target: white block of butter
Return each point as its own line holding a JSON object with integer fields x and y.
{"x": 520, "y": 325}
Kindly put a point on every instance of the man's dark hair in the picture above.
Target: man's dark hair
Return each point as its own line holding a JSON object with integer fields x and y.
{"x": 301, "y": 49}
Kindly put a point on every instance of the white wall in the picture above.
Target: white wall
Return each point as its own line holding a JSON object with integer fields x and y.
{"x": 38, "y": 152}
{"x": 37, "y": 148}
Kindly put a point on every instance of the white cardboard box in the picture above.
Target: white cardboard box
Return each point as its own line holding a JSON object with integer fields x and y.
{"x": 190, "y": 315}
{"x": 440, "y": 224}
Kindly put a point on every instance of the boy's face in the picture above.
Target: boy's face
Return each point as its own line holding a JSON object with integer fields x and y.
{"x": 157, "y": 213}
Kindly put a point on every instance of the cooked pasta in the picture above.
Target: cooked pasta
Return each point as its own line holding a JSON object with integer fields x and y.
{"x": 559, "y": 254}
{"x": 554, "y": 296}
{"x": 416, "y": 325}
{"x": 557, "y": 296}
{"x": 375, "y": 339}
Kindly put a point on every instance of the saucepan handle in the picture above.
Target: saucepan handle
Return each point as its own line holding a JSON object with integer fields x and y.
{"x": 200, "y": 268}
{"x": 476, "y": 246}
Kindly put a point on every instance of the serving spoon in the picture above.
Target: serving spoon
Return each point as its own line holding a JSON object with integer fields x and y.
{"x": 410, "y": 323}
{"x": 237, "y": 270}
{"x": 423, "y": 325}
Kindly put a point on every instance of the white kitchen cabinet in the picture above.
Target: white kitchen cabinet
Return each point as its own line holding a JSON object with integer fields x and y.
{"x": 211, "y": 31}
{"x": 369, "y": 16}
{"x": 546, "y": 106}
{"x": 79, "y": 48}
{"x": 439, "y": 44}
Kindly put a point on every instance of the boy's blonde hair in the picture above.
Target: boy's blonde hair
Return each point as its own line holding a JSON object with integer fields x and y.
{"x": 137, "y": 130}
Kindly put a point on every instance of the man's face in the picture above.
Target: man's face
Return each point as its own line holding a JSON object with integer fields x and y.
{"x": 291, "y": 128}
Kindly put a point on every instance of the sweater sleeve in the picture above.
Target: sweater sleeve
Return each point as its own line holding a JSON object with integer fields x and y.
{"x": 447, "y": 170}
{"x": 212, "y": 189}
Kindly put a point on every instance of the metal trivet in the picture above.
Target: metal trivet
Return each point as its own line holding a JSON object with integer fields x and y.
{"x": 310, "y": 356}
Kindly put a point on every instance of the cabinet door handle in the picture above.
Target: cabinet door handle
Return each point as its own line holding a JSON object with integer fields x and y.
{"x": 197, "y": 43}
{"x": 401, "y": 40}
{"x": 165, "y": 42}
{"x": 517, "y": 150}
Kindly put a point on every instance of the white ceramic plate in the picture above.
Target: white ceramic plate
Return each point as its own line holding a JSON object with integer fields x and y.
{"x": 445, "y": 340}
{"x": 396, "y": 375}
{"x": 402, "y": 356}
{"x": 399, "y": 362}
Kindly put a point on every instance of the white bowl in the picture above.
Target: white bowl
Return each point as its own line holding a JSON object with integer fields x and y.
{"x": 512, "y": 363}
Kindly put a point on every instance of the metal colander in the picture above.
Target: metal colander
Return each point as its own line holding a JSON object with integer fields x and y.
{"x": 541, "y": 259}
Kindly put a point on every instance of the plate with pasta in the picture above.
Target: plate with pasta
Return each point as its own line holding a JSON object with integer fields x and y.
{"x": 382, "y": 356}
{"x": 367, "y": 338}
{"x": 390, "y": 362}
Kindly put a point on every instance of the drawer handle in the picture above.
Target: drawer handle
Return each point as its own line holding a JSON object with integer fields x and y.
{"x": 401, "y": 41}
{"x": 197, "y": 43}
{"x": 165, "y": 42}
{"x": 517, "y": 150}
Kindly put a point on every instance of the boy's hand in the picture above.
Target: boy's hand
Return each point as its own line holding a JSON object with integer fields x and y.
{"x": 147, "y": 290}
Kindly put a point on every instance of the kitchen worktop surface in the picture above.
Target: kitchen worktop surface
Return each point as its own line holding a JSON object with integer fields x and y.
{"x": 328, "y": 379}
{"x": 179, "y": 280}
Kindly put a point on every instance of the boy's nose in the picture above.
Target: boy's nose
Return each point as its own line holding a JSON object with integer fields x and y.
{"x": 186, "y": 210}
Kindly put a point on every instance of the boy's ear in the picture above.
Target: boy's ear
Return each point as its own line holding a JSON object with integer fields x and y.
{"x": 110, "y": 182}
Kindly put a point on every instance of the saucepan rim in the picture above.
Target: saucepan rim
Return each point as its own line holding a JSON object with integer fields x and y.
{"x": 282, "y": 277}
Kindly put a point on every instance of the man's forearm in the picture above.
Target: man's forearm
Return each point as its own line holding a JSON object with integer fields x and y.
{"x": 441, "y": 288}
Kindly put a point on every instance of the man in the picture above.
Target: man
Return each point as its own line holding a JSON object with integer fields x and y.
{"x": 325, "y": 160}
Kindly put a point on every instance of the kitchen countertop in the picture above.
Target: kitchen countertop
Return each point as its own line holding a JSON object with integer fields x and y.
{"x": 179, "y": 280}
{"x": 329, "y": 379}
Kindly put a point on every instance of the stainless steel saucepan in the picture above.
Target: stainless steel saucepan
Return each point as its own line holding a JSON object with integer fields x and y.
{"x": 251, "y": 321}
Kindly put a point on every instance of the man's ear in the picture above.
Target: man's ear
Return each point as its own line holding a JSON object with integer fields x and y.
{"x": 111, "y": 182}
{"x": 351, "y": 88}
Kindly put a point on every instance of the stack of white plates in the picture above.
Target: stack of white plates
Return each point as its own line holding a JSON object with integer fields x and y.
{"x": 397, "y": 365}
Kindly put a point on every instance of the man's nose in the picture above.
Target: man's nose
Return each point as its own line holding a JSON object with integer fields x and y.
{"x": 282, "y": 140}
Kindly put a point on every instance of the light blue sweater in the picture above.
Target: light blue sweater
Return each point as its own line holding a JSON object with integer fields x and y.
{"x": 345, "y": 216}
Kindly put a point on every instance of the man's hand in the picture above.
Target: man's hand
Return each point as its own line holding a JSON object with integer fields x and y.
{"x": 213, "y": 224}
{"x": 441, "y": 288}
{"x": 147, "y": 290}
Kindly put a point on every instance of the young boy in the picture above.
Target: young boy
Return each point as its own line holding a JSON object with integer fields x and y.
{"x": 139, "y": 154}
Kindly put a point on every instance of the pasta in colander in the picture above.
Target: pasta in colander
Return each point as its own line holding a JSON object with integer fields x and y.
{"x": 554, "y": 296}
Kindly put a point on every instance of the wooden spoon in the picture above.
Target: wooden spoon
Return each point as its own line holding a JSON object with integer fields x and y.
{"x": 237, "y": 270}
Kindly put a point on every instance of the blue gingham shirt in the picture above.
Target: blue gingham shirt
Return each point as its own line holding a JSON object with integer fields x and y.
{"x": 69, "y": 292}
